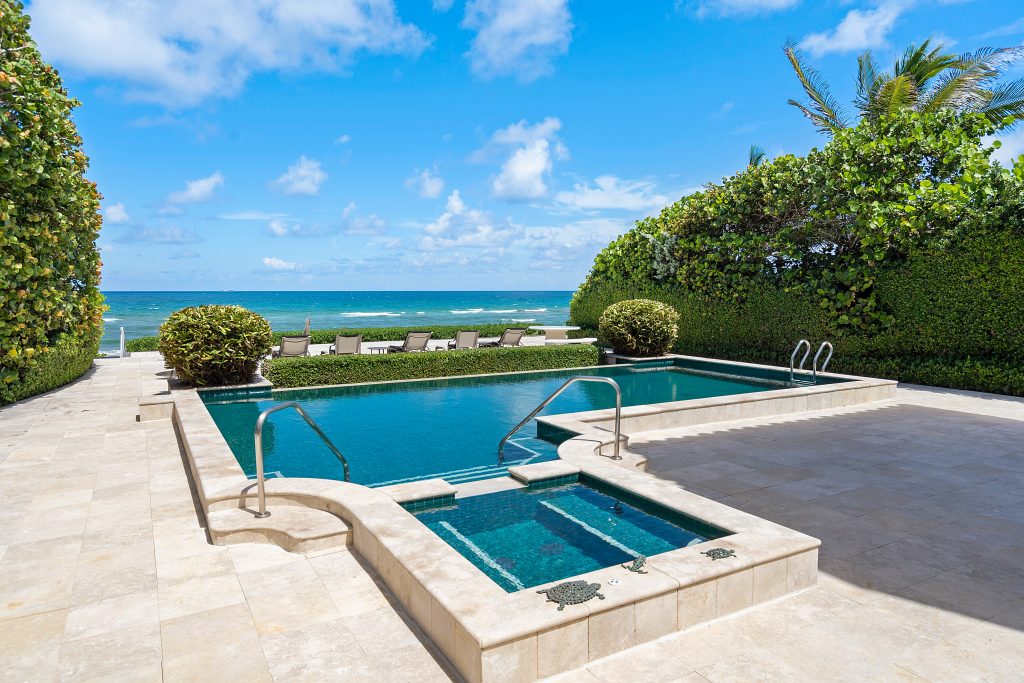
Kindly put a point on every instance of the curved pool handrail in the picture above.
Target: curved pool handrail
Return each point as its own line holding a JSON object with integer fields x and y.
{"x": 258, "y": 436}
{"x": 792, "y": 357}
{"x": 554, "y": 395}
{"x": 814, "y": 367}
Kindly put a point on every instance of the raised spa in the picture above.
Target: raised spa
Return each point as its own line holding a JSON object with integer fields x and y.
{"x": 526, "y": 537}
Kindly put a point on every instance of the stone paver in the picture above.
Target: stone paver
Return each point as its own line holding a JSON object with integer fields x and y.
{"x": 107, "y": 574}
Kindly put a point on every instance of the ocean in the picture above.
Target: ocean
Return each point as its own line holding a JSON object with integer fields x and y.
{"x": 141, "y": 313}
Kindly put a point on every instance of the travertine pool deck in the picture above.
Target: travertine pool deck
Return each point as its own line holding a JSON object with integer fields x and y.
{"x": 106, "y": 573}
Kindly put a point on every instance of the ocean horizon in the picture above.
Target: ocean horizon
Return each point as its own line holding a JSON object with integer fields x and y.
{"x": 141, "y": 313}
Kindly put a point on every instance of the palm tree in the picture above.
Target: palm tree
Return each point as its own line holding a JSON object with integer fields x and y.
{"x": 924, "y": 79}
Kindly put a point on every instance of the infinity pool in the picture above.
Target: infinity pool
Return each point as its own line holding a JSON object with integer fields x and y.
{"x": 396, "y": 432}
{"x": 524, "y": 538}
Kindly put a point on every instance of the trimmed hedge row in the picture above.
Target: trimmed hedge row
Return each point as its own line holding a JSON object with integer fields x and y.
{"x": 311, "y": 371}
{"x": 63, "y": 362}
{"x": 958, "y": 319}
{"x": 370, "y": 334}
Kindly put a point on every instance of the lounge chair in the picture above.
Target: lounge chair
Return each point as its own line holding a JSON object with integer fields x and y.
{"x": 510, "y": 337}
{"x": 293, "y": 346}
{"x": 414, "y": 341}
{"x": 465, "y": 339}
{"x": 345, "y": 345}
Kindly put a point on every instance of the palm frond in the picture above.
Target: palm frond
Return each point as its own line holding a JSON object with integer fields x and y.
{"x": 896, "y": 94}
{"x": 867, "y": 80}
{"x": 1006, "y": 101}
{"x": 923, "y": 64}
{"x": 757, "y": 155}
{"x": 823, "y": 109}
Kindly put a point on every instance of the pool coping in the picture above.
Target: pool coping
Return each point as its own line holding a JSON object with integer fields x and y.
{"x": 487, "y": 633}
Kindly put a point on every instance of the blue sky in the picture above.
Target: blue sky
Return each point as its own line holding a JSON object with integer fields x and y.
{"x": 444, "y": 144}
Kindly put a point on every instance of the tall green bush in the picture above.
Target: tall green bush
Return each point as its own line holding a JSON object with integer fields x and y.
{"x": 50, "y": 305}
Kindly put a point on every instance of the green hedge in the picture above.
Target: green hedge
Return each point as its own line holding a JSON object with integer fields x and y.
{"x": 958, "y": 319}
{"x": 370, "y": 334}
{"x": 63, "y": 362}
{"x": 311, "y": 371}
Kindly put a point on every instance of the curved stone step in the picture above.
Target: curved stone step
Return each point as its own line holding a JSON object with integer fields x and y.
{"x": 294, "y": 528}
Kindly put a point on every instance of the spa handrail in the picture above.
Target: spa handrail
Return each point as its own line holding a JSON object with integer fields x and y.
{"x": 258, "y": 436}
{"x": 554, "y": 395}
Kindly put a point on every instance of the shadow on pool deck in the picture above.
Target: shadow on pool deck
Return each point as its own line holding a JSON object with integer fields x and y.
{"x": 908, "y": 501}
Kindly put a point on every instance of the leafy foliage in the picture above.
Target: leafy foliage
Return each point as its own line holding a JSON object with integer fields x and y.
{"x": 924, "y": 78}
{"x": 50, "y": 302}
{"x": 314, "y": 371}
{"x": 639, "y": 327}
{"x": 899, "y": 241}
{"x": 370, "y": 334}
{"x": 214, "y": 345}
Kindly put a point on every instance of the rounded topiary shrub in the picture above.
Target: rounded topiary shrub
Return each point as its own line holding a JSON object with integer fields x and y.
{"x": 639, "y": 327}
{"x": 214, "y": 345}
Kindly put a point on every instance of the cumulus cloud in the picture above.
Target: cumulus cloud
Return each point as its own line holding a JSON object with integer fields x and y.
{"x": 199, "y": 190}
{"x": 343, "y": 139}
{"x": 115, "y": 214}
{"x": 611, "y": 192}
{"x": 572, "y": 245}
{"x": 427, "y": 183}
{"x": 524, "y": 174}
{"x": 517, "y": 38}
{"x": 731, "y": 8}
{"x": 859, "y": 30}
{"x": 279, "y": 227}
{"x": 462, "y": 227}
{"x": 303, "y": 177}
{"x": 250, "y": 215}
{"x": 274, "y": 263}
{"x": 443, "y": 5}
{"x": 180, "y": 52}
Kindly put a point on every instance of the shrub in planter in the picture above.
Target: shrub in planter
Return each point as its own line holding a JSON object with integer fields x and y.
{"x": 214, "y": 345}
{"x": 639, "y": 327}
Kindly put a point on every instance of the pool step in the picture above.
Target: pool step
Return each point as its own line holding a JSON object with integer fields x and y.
{"x": 296, "y": 529}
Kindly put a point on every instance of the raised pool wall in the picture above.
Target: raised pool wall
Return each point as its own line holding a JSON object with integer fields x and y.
{"x": 491, "y": 635}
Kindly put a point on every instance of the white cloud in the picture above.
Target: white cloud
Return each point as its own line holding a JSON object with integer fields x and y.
{"x": 281, "y": 228}
{"x": 859, "y": 30}
{"x": 443, "y": 5}
{"x": 517, "y": 37}
{"x": 180, "y": 52}
{"x": 303, "y": 177}
{"x": 729, "y": 8}
{"x": 572, "y": 244}
{"x": 165, "y": 235}
{"x": 274, "y": 263}
{"x": 427, "y": 183}
{"x": 371, "y": 224}
{"x": 460, "y": 226}
{"x": 610, "y": 192}
{"x": 1014, "y": 28}
{"x": 1012, "y": 146}
{"x": 524, "y": 174}
{"x": 115, "y": 214}
{"x": 199, "y": 190}
{"x": 185, "y": 254}
{"x": 343, "y": 139}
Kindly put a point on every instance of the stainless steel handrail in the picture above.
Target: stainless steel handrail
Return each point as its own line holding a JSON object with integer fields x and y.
{"x": 792, "y": 357}
{"x": 553, "y": 396}
{"x": 258, "y": 436}
{"x": 814, "y": 365}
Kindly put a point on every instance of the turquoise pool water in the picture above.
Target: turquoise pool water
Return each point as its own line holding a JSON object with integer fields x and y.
{"x": 524, "y": 538}
{"x": 398, "y": 432}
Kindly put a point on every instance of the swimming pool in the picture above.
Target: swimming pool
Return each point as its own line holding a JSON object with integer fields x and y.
{"x": 525, "y": 537}
{"x": 403, "y": 431}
